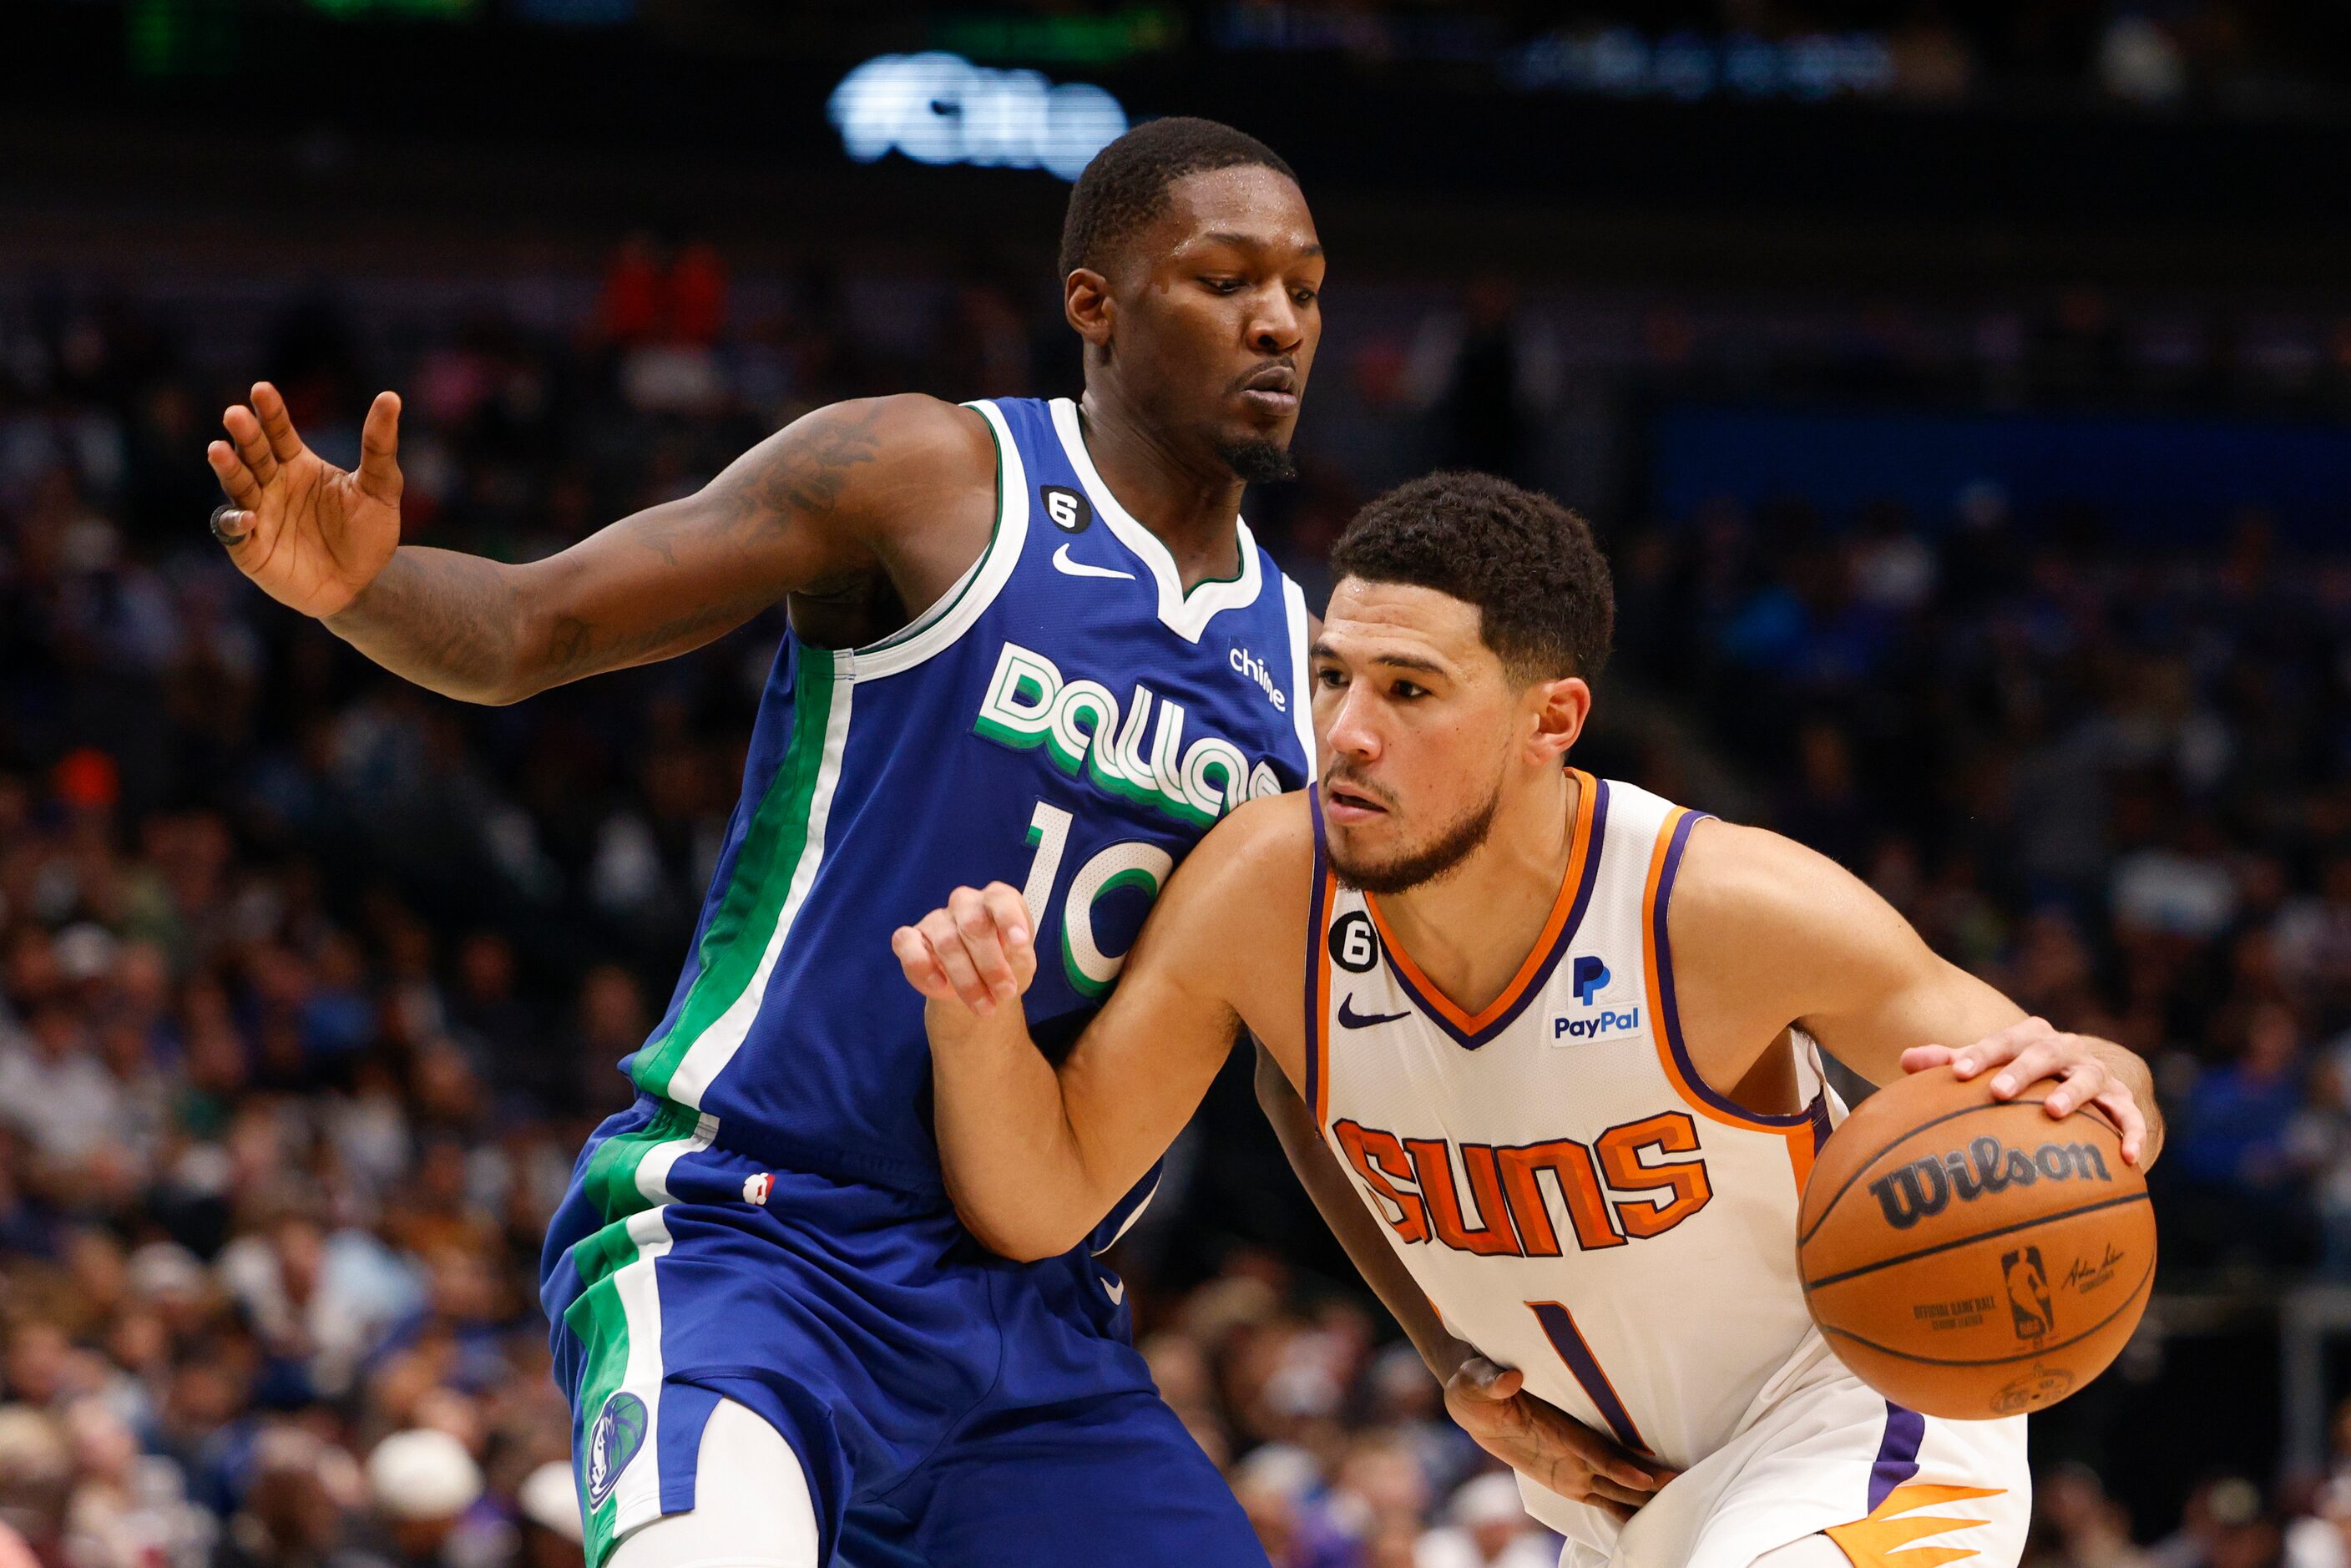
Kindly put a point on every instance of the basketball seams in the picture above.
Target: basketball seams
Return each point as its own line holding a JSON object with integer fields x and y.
{"x": 2145, "y": 1281}
{"x": 1867, "y": 1166}
{"x": 2031, "y": 1223}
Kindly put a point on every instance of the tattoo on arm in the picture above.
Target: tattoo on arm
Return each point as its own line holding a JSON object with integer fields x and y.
{"x": 576, "y": 647}
{"x": 807, "y": 470}
{"x": 442, "y": 620}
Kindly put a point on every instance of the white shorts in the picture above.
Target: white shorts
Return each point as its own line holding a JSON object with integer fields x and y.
{"x": 1821, "y": 1453}
{"x": 751, "y": 1507}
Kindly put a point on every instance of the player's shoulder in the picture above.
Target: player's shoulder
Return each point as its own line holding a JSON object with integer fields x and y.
{"x": 1238, "y": 903}
{"x": 1740, "y": 872}
{"x": 1752, "y": 891}
{"x": 913, "y": 427}
{"x": 1263, "y": 850}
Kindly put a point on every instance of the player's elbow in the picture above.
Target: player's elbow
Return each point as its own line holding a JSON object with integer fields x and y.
{"x": 1023, "y": 1231}
{"x": 1023, "y": 1240}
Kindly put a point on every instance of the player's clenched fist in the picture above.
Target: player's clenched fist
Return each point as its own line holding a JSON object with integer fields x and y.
{"x": 977, "y": 950}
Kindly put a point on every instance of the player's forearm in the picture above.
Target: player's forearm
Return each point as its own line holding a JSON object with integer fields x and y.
{"x": 1357, "y": 1230}
{"x": 453, "y": 623}
{"x": 1014, "y": 1167}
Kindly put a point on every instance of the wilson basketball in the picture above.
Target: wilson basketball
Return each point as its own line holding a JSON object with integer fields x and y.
{"x": 1970, "y": 1257}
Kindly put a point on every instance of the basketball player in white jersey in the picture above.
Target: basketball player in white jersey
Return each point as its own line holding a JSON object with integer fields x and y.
{"x": 1564, "y": 1037}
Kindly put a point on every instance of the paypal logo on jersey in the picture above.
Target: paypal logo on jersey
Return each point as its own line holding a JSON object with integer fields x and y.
{"x": 1084, "y": 728}
{"x": 1590, "y": 975}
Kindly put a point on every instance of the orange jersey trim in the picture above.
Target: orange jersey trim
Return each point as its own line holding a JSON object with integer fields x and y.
{"x": 1539, "y": 958}
{"x": 1801, "y": 1132}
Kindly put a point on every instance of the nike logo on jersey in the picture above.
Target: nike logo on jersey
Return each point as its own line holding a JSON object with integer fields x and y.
{"x": 1350, "y": 1019}
{"x": 1115, "y": 1290}
{"x": 1068, "y": 568}
{"x": 1126, "y": 749}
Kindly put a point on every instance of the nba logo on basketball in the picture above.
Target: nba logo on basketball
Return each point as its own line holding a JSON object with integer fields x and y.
{"x": 2028, "y": 1292}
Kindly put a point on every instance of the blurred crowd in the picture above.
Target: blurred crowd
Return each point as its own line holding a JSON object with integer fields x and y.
{"x": 311, "y": 984}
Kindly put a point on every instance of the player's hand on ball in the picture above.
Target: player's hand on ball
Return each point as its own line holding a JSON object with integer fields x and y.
{"x": 310, "y": 535}
{"x": 977, "y": 950}
{"x": 2033, "y": 1051}
{"x": 1545, "y": 1443}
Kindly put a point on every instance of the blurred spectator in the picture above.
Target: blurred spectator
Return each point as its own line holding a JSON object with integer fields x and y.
{"x": 312, "y": 985}
{"x": 1486, "y": 1527}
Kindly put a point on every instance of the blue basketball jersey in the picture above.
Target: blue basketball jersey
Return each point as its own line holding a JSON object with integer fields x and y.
{"x": 1067, "y": 720}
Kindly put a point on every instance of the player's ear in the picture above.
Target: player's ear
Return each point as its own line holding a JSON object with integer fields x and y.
{"x": 1085, "y": 301}
{"x": 1560, "y": 708}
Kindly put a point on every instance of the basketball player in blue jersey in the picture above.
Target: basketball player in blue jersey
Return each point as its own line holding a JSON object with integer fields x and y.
{"x": 1564, "y": 1036}
{"x": 1030, "y": 643}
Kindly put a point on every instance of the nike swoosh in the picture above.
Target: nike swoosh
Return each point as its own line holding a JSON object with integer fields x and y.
{"x": 1062, "y": 563}
{"x": 1350, "y": 1019}
{"x": 1116, "y": 1291}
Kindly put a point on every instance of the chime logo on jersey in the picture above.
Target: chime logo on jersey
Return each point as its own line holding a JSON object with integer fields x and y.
{"x": 1245, "y": 662}
{"x": 1084, "y": 728}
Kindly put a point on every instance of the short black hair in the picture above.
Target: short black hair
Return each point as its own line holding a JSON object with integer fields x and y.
{"x": 1545, "y": 602}
{"x": 1125, "y": 186}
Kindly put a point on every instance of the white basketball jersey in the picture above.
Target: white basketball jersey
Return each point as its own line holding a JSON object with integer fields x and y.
{"x": 1571, "y": 1196}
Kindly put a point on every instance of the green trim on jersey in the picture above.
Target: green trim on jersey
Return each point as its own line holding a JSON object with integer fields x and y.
{"x": 737, "y": 935}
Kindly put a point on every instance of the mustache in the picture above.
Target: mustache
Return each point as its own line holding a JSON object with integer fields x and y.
{"x": 1278, "y": 362}
{"x": 1356, "y": 782}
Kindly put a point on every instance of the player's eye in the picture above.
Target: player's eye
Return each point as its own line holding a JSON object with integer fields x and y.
{"x": 1303, "y": 296}
{"x": 1223, "y": 285}
{"x": 1332, "y": 676}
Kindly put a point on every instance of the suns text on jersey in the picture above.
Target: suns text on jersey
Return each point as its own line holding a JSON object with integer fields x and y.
{"x": 1611, "y": 1190}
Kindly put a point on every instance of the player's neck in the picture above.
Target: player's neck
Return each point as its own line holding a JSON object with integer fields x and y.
{"x": 1189, "y": 500}
{"x": 1470, "y": 931}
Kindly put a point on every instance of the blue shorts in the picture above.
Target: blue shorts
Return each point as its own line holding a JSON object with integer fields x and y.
{"x": 950, "y": 1407}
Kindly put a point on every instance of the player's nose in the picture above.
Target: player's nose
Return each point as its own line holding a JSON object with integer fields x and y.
{"x": 1274, "y": 326}
{"x": 1351, "y": 731}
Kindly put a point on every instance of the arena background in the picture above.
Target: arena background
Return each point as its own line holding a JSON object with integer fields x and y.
{"x": 1963, "y": 391}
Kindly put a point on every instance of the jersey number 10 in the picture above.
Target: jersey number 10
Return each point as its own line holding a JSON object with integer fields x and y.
{"x": 1091, "y": 970}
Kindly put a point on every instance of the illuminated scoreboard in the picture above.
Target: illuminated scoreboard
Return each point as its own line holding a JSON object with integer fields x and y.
{"x": 938, "y": 108}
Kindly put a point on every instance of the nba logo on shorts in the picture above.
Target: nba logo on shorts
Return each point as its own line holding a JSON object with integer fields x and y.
{"x": 1591, "y": 974}
{"x": 2028, "y": 1292}
{"x": 756, "y": 1188}
{"x": 612, "y": 1442}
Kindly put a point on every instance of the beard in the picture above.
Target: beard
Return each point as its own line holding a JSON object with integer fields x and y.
{"x": 1258, "y": 461}
{"x": 1440, "y": 857}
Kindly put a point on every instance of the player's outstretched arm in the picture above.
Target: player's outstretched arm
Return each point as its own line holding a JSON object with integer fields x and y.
{"x": 1035, "y": 1157}
{"x": 827, "y": 497}
{"x": 1792, "y": 936}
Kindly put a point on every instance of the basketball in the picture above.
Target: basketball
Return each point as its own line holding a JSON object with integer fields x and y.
{"x": 1970, "y": 1257}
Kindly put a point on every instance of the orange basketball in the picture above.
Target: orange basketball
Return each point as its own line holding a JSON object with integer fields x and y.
{"x": 1970, "y": 1257}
